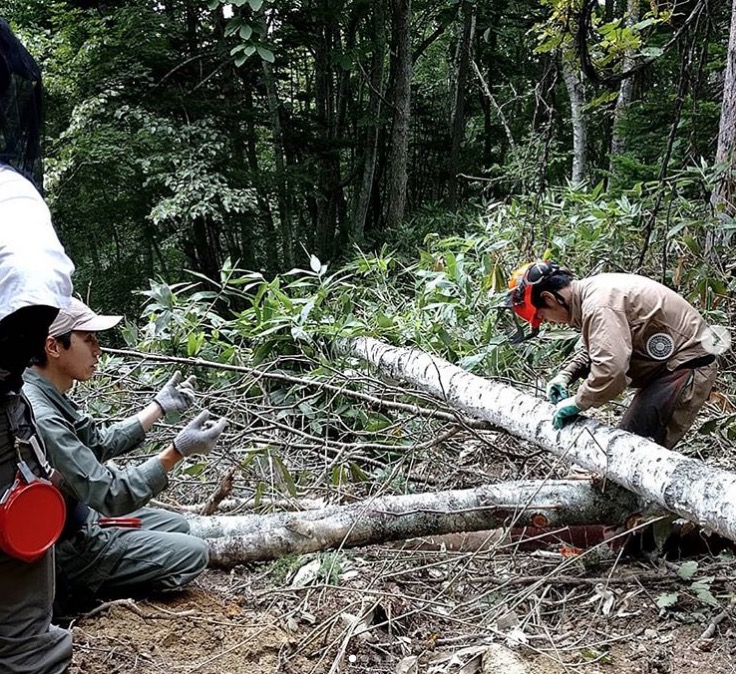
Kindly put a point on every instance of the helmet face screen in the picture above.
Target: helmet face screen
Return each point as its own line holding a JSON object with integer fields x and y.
{"x": 519, "y": 298}
{"x": 520, "y": 285}
{"x": 521, "y": 303}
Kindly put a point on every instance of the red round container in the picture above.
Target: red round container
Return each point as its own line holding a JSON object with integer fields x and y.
{"x": 31, "y": 519}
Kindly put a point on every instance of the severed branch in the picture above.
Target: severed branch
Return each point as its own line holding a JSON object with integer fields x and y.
{"x": 224, "y": 489}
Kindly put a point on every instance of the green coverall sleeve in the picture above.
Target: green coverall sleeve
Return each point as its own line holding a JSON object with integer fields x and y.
{"x": 107, "y": 489}
{"x": 115, "y": 440}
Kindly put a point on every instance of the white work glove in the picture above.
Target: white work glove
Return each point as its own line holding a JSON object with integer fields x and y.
{"x": 557, "y": 388}
{"x": 199, "y": 435}
{"x": 176, "y": 395}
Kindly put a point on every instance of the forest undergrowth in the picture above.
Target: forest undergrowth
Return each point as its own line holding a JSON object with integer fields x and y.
{"x": 310, "y": 427}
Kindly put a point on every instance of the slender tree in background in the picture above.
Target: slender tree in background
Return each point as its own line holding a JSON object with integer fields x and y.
{"x": 576, "y": 94}
{"x": 625, "y": 92}
{"x": 401, "y": 71}
{"x": 458, "y": 120}
{"x": 724, "y": 196}
{"x": 368, "y": 143}
{"x": 277, "y": 138}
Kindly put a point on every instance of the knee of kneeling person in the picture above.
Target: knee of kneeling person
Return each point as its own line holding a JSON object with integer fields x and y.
{"x": 204, "y": 552}
{"x": 181, "y": 524}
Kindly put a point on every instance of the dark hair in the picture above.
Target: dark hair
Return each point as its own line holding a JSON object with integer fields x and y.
{"x": 40, "y": 358}
{"x": 21, "y": 108}
{"x": 553, "y": 284}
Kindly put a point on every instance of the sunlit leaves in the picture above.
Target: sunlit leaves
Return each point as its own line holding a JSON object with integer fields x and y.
{"x": 611, "y": 41}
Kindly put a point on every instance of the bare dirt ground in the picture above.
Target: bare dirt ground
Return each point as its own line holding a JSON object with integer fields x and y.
{"x": 391, "y": 609}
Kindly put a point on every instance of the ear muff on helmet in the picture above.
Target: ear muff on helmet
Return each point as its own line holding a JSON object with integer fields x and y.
{"x": 522, "y": 283}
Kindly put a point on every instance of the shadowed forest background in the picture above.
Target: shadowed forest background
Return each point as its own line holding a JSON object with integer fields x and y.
{"x": 181, "y": 134}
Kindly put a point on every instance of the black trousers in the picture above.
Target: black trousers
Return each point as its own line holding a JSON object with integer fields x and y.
{"x": 666, "y": 408}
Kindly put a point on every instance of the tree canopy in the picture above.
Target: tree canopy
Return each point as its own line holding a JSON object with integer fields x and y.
{"x": 184, "y": 133}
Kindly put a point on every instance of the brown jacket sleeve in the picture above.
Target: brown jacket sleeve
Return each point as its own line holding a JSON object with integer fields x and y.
{"x": 607, "y": 336}
{"x": 576, "y": 366}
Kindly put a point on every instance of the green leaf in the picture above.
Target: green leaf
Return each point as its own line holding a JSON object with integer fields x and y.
{"x": 665, "y": 600}
{"x": 213, "y": 4}
{"x": 285, "y": 475}
{"x": 652, "y": 52}
{"x": 299, "y": 334}
{"x": 245, "y": 32}
{"x": 358, "y": 474}
{"x": 337, "y": 476}
{"x": 194, "y": 343}
{"x": 687, "y": 570}
{"x": 266, "y": 54}
{"x": 377, "y": 422}
{"x": 196, "y": 469}
{"x": 469, "y": 362}
{"x": 703, "y": 593}
{"x": 384, "y": 321}
{"x": 255, "y": 5}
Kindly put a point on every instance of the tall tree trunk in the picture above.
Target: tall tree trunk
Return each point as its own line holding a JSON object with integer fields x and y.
{"x": 625, "y": 92}
{"x": 401, "y": 87}
{"x": 277, "y": 138}
{"x": 250, "y": 150}
{"x": 326, "y": 43}
{"x": 685, "y": 486}
{"x": 370, "y": 142}
{"x": 202, "y": 246}
{"x": 458, "y": 120}
{"x": 576, "y": 93}
{"x": 724, "y": 195}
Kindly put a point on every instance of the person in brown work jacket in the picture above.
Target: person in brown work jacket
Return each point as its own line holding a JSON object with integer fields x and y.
{"x": 635, "y": 332}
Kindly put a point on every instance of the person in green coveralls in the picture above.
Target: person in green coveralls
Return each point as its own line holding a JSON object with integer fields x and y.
{"x": 112, "y": 543}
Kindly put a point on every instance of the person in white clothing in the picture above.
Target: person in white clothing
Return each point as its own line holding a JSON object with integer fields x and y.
{"x": 35, "y": 282}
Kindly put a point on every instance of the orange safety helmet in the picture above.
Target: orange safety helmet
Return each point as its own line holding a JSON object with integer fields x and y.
{"x": 519, "y": 298}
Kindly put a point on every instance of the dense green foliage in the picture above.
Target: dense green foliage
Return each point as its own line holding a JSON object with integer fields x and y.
{"x": 229, "y": 157}
{"x": 262, "y": 347}
{"x": 184, "y": 133}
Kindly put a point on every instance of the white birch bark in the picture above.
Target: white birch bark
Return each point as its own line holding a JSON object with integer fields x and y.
{"x": 237, "y": 504}
{"x": 724, "y": 196}
{"x": 238, "y": 539}
{"x": 576, "y": 94}
{"x": 686, "y": 486}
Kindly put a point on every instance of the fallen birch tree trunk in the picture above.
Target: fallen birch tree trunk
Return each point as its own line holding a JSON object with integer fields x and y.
{"x": 688, "y": 487}
{"x": 235, "y": 504}
{"x": 237, "y": 539}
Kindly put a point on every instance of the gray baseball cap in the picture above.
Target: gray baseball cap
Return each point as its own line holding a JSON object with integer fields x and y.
{"x": 78, "y": 316}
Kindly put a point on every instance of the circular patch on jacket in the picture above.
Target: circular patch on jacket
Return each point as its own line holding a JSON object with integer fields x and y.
{"x": 660, "y": 346}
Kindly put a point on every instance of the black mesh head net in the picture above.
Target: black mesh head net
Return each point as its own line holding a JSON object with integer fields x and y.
{"x": 21, "y": 97}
